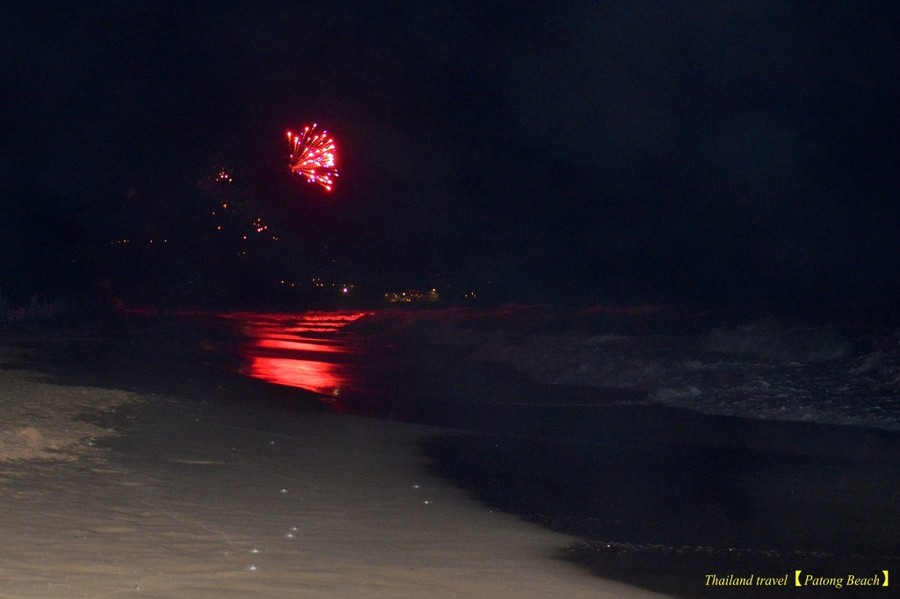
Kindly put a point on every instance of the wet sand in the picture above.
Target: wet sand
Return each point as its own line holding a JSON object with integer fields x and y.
{"x": 665, "y": 512}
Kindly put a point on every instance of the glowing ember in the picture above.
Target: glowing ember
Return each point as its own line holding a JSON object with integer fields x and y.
{"x": 313, "y": 156}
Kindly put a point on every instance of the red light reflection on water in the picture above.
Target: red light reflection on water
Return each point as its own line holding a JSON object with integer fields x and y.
{"x": 278, "y": 352}
{"x": 321, "y": 377}
{"x": 279, "y": 342}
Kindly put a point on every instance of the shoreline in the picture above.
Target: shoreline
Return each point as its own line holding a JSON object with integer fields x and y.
{"x": 207, "y": 495}
{"x": 655, "y": 517}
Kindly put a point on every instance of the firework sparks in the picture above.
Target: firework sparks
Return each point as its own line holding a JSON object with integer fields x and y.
{"x": 313, "y": 156}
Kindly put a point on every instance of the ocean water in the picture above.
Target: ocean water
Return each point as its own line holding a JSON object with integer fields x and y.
{"x": 838, "y": 368}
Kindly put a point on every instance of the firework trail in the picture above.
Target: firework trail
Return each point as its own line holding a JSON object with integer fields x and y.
{"x": 313, "y": 156}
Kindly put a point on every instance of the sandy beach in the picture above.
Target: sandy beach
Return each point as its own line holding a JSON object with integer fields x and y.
{"x": 108, "y": 490}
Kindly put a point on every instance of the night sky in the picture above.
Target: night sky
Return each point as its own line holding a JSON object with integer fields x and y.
{"x": 623, "y": 151}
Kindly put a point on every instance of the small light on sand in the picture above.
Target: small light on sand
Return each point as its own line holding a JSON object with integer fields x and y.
{"x": 254, "y": 550}
{"x": 426, "y": 502}
{"x": 252, "y": 568}
{"x": 284, "y": 491}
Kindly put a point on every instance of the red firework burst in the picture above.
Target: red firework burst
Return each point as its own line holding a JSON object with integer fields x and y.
{"x": 313, "y": 156}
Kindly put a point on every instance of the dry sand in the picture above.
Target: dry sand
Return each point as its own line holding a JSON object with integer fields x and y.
{"x": 106, "y": 493}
